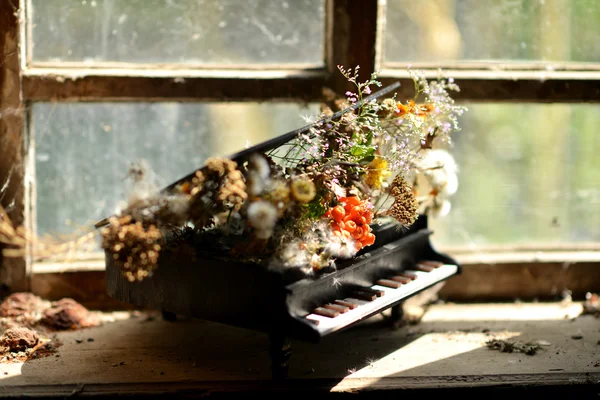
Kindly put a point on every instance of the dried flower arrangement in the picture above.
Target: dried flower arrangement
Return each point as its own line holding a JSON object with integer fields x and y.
{"x": 311, "y": 200}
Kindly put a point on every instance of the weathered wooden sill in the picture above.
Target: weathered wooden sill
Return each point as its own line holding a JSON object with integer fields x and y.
{"x": 140, "y": 354}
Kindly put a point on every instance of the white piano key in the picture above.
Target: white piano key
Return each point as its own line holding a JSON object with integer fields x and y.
{"x": 424, "y": 279}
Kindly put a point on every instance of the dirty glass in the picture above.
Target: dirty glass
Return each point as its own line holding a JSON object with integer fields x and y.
{"x": 514, "y": 31}
{"x": 529, "y": 174}
{"x": 226, "y": 32}
{"x": 83, "y": 151}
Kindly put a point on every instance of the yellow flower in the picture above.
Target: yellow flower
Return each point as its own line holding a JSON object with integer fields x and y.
{"x": 377, "y": 172}
{"x": 303, "y": 190}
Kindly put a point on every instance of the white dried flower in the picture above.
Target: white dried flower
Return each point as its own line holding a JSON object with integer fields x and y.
{"x": 294, "y": 255}
{"x": 262, "y": 216}
{"x": 177, "y": 207}
{"x": 260, "y": 165}
{"x": 439, "y": 207}
{"x": 319, "y": 261}
{"x": 144, "y": 182}
{"x": 339, "y": 246}
{"x": 254, "y": 186}
{"x": 440, "y": 170}
{"x": 259, "y": 175}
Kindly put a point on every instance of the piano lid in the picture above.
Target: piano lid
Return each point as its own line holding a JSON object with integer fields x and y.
{"x": 306, "y": 199}
{"x": 274, "y": 143}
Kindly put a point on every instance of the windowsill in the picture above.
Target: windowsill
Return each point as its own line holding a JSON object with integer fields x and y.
{"x": 72, "y": 266}
{"x": 139, "y": 353}
{"x": 79, "y": 70}
{"x": 534, "y": 256}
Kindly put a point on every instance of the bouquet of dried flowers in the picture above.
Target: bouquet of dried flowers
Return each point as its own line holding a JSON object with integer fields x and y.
{"x": 309, "y": 201}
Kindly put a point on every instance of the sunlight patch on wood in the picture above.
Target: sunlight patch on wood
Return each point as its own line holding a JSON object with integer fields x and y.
{"x": 504, "y": 312}
{"x": 439, "y": 346}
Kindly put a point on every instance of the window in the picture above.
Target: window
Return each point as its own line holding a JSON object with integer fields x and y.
{"x": 176, "y": 81}
{"x": 224, "y": 34}
{"x": 528, "y": 180}
{"x": 74, "y": 142}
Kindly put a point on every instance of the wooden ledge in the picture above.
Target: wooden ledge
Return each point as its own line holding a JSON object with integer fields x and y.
{"x": 137, "y": 353}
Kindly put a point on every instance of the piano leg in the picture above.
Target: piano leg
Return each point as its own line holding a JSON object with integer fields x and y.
{"x": 397, "y": 315}
{"x": 280, "y": 351}
{"x": 169, "y": 316}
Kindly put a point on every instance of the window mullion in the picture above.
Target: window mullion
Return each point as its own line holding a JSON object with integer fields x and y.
{"x": 351, "y": 37}
{"x": 71, "y": 85}
{"x": 13, "y": 271}
{"x": 519, "y": 90}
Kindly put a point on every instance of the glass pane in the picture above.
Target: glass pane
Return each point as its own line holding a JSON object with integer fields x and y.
{"x": 83, "y": 150}
{"x": 225, "y": 32}
{"x": 527, "y": 174}
{"x": 492, "y": 30}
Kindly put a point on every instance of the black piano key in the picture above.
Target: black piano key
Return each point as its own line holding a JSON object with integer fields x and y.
{"x": 408, "y": 275}
{"x": 376, "y": 292}
{"x": 336, "y": 307}
{"x": 434, "y": 264}
{"x": 401, "y": 279}
{"x": 325, "y": 312}
{"x": 389, "y": 283}
{"x": 360, "y": 294}
{"x": 425, "y": 268}
{"x": 348, "y": 304}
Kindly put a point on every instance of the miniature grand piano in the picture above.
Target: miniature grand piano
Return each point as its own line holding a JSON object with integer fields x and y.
{"x": 200, "y": 283}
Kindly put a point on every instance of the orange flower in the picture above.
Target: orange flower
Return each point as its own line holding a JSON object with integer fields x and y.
{"x": 368, "y": 239}
{"x": 420, "y": 110}
{"x": 351, "y": 219}
{"x": 338, "y": 213}
{"x": 402, "y": 109}
{"x": 350, "y": 226}
{"x": 358, "y": 232}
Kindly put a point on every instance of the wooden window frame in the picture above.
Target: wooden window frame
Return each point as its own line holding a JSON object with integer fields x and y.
{"x": 352, "y": 31}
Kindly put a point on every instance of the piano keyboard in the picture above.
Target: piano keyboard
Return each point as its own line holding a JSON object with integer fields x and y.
{"x": 368, "y": 301}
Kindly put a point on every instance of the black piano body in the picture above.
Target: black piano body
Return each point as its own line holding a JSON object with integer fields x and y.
{"x": 286, "y": 305}
{"x": 193, "y": 281}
